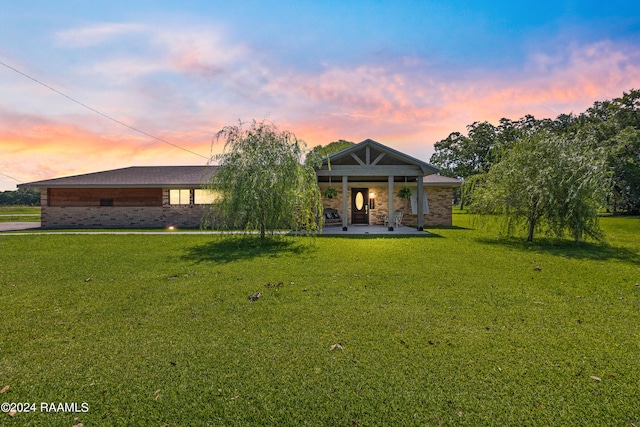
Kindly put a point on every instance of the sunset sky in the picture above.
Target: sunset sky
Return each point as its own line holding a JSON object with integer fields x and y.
{"x": 404, "y": 73}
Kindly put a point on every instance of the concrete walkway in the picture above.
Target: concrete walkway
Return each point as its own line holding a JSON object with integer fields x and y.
{"x": 327, "y": 231}
{"x": 372, "y": 229}
{"x": 15, "y": 226}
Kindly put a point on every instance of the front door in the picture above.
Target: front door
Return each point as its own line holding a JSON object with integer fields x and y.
{"x": 360, "y": 206}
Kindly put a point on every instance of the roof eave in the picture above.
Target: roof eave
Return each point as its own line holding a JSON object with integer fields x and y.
{"x": 426, "y": 168}
{"x": 36, "y": 185}
{"x": 442, "y": 184}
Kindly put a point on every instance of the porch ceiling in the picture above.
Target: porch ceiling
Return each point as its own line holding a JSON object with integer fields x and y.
{"x": 368, "y": 170}
{"x": 382, "y": 179}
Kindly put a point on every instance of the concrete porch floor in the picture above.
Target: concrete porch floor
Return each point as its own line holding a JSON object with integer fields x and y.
{"x": 372, "y": 229}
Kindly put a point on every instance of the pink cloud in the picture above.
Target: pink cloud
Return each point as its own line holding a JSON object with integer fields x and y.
{"x": 407, "y": 104}
{"x": 413, "y": 111}
{"x": 39, "y": 149}
{"x": 550, "y": 86}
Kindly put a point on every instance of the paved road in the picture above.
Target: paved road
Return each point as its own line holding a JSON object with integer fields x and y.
{"x": 13, "y": 226}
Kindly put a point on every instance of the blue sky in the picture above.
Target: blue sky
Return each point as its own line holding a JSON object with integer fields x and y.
{"x": 405, "y": 73}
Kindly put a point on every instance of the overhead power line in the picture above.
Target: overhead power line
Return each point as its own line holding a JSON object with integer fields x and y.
{"x": 10, "y": 177}
{"x": 101, "y": 113}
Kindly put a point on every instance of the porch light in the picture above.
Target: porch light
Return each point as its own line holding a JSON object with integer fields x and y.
{"x": 372, "y": 200}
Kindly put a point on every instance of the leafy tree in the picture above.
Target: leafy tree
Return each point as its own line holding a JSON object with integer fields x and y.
{"x": 320, "y": 152}
{"x": 464, "y": 157}
{"x": 456, "y": 156}
{"x": 22, "y": 196}
{"x": 453, "y": 155}
{"x": 545, "y": 182}
{"x": 486, "y": 143}
{"x": 628, "y": 109}
{"x": 624, "y": 159}
{"x": 461, "y": 156}
{"x": 261, "y": 182}
{"x": 614, "y": 125}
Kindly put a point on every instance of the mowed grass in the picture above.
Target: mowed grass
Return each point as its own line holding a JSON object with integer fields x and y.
{"x": 462, "y": 328}
{"x": 19, "y": 213}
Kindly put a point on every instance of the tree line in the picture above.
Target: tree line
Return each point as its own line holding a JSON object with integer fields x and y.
{"x": 22, "y": 197}
{"x": 548, "y": 174}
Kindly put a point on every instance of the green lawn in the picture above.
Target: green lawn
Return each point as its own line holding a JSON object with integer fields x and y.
{"x": 463, "y": 328}
{"x": 19, "y": 213}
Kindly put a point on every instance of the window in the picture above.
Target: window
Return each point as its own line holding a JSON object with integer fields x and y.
{"x": 204, "y": 197}
{"x": 106, "y": 202}
{"x": 180, "y": 197}
{"x": 189, "y": 196}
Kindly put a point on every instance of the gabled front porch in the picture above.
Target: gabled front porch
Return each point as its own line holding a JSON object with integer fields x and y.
{"x": 366, "y": 179}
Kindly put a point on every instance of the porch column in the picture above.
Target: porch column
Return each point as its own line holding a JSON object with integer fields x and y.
{"x": 345, "y": 202}
{"x": 390, "y": 213}
{"x": 420, "y": 201}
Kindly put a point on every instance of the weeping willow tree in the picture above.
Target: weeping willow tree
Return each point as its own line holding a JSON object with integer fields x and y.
{"x": 261, "y": 182}
{"x": 545, "y": 183}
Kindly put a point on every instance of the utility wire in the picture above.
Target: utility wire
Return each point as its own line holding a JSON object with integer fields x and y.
{"x": 15, "y": 179}
{"x": 101, "y": 113}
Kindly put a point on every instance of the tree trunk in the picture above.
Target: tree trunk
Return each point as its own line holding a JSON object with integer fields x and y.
{"x": 532, "y": 226}
{"x": 263, "y": 225}
{"x": 533, "y": 217}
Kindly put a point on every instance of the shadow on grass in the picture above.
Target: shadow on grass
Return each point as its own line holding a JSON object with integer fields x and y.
{"x": 238, "y": 248}
{"x": 568, "y": 249}
{"x": 449, "y": 227}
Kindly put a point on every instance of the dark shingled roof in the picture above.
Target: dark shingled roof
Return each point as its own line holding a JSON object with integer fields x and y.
{"x": 440, "y": 181}
{"x": 133, "y": 177}
{"x": 166, "y": 177}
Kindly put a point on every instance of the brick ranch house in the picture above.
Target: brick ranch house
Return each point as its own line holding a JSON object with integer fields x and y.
{"x": 161, "y": 196}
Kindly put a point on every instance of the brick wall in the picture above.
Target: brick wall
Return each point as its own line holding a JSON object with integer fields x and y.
{"x": 440, "y": 209}
{"x": 120, "y": 217}
{"x": 440, "y": 205}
